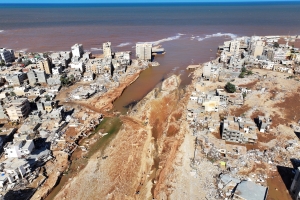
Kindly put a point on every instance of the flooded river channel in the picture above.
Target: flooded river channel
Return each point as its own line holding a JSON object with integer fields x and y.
{"x": 148, "y": 79}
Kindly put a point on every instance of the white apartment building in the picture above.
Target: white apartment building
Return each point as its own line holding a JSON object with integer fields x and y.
{"x": 144, "y": 51}
{"x": 18, "y": 149}
{"x": 57, "y": 70}
{"x": 77, "y": 50}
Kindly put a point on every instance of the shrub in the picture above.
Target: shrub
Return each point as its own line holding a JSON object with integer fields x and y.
{"x": 230, "y": 87}
{"x": 249, "y": 72}
{"x": 244, "y": 69}
{"x": 242, "y": 75}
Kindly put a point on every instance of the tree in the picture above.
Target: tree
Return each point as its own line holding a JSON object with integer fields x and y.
{"x": 72, "y": 78}
{"x": 48, "y": 98}
{"x": 27, "y": 62}
{"x": 230, "y": 87}
{"x": 64, "y": 80}
{"x": 249, "y": 72}
{"x": 242, "y": 75}
{"x": 244, "y": 69}
{"x": 2, "y": 63}
{"x": 276, "y": 44}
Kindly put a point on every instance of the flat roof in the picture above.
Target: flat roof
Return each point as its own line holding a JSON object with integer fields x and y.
{"x": 251, "y": 191}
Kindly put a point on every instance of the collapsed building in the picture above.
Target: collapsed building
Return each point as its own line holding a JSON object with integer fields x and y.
{"x": 237, "y": 129}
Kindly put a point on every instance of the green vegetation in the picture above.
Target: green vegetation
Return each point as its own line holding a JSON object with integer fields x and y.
{"x": 48, "y": 98}
{"x": 245, "y": 72}
{"x": 27, "y": 62}
{"x": 291, "y": 77}
{"x": 230, "y": 87}
{"x": 249, "y": 72}
{"x": 65, "y": 81}
{"x": 244, "y": 69}
{"x": 2, "y": 63}
{"x": 72, "y": 78}
{"x": 242, "y": 75}
{"x": 12, "y": 94}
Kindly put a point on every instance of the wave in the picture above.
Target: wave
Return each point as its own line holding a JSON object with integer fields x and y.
{"x": 124, "y": 44}
{"x": 1, "y": 31}
{"x": 176, "y": 37}
{"x": 22, "y": 50}
{"x": 175, "y": 68}
{"x": 231, "y": 35}
{"x": 96, "y": 49}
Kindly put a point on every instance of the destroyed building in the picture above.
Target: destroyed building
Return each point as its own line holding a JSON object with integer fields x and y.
{"x": 237, "y": 129}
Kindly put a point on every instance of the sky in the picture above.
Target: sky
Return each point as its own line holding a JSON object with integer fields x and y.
{"x": 133, "y": 1}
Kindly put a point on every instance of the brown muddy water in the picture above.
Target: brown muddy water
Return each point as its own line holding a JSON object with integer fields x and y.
{"x": 179, "y": 54}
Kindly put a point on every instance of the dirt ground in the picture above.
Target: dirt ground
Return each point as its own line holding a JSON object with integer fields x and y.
{"x": 99, "y": 103}
{"x": 150, "y": 156}
{"x": 141, "y": 156}
{"x": 54, "y": 169}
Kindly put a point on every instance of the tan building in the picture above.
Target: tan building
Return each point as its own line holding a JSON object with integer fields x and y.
{"x": 45, "y": 65}
{"x": 257, "y": 48}
{"x": 19, "y": 109}
{"x": 107, "y": 49}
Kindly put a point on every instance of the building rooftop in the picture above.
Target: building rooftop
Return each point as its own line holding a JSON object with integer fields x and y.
{"x": 251, "y": 191}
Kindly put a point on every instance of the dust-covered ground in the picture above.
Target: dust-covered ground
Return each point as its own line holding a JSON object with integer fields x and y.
{"x": 151, "y": 156}
{"x": 141, "y": 156}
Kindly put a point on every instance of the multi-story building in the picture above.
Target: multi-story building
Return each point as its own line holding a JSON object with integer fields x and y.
{"x": 45, "y": 65}
{"x": 16, "y": 79}
{"x": 257, "y": 48}
{"x": 107, "y": 49}
{"x": 101, "y": 66}
{"x": 18, "y": 148}
{"x": 36, "y": 76}
{"x": 57, "y": 70}
{"x": 44, "y": 105}
{"x": 234, "y": 46}
{"x": 144, "y": 51}
{"x": 77, "y": 50}
{"x": 7, "y": 55}
{"x": 88, "y": 76}
{"x": 61, "y": 58}
{"x": 2, "y": 112}
{"x": 54, "y": 80}
{"x": 281, "y": 54}
{"x": 235, "y": 129}
{"x": 19, "y": 109}
{"x": 295, "y": 187}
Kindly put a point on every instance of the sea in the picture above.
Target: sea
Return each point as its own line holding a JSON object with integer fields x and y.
{"x": 189, "y": 32}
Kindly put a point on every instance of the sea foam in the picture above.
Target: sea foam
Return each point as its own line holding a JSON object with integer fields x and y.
{"x": 96, "y": 49}
{"x": 176, "y": 37}
{"x": 1, "y": 31}
{"x": 23, "y": 50}
{"x": 231, "y": 35}
{"x": 124, "y": 44}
